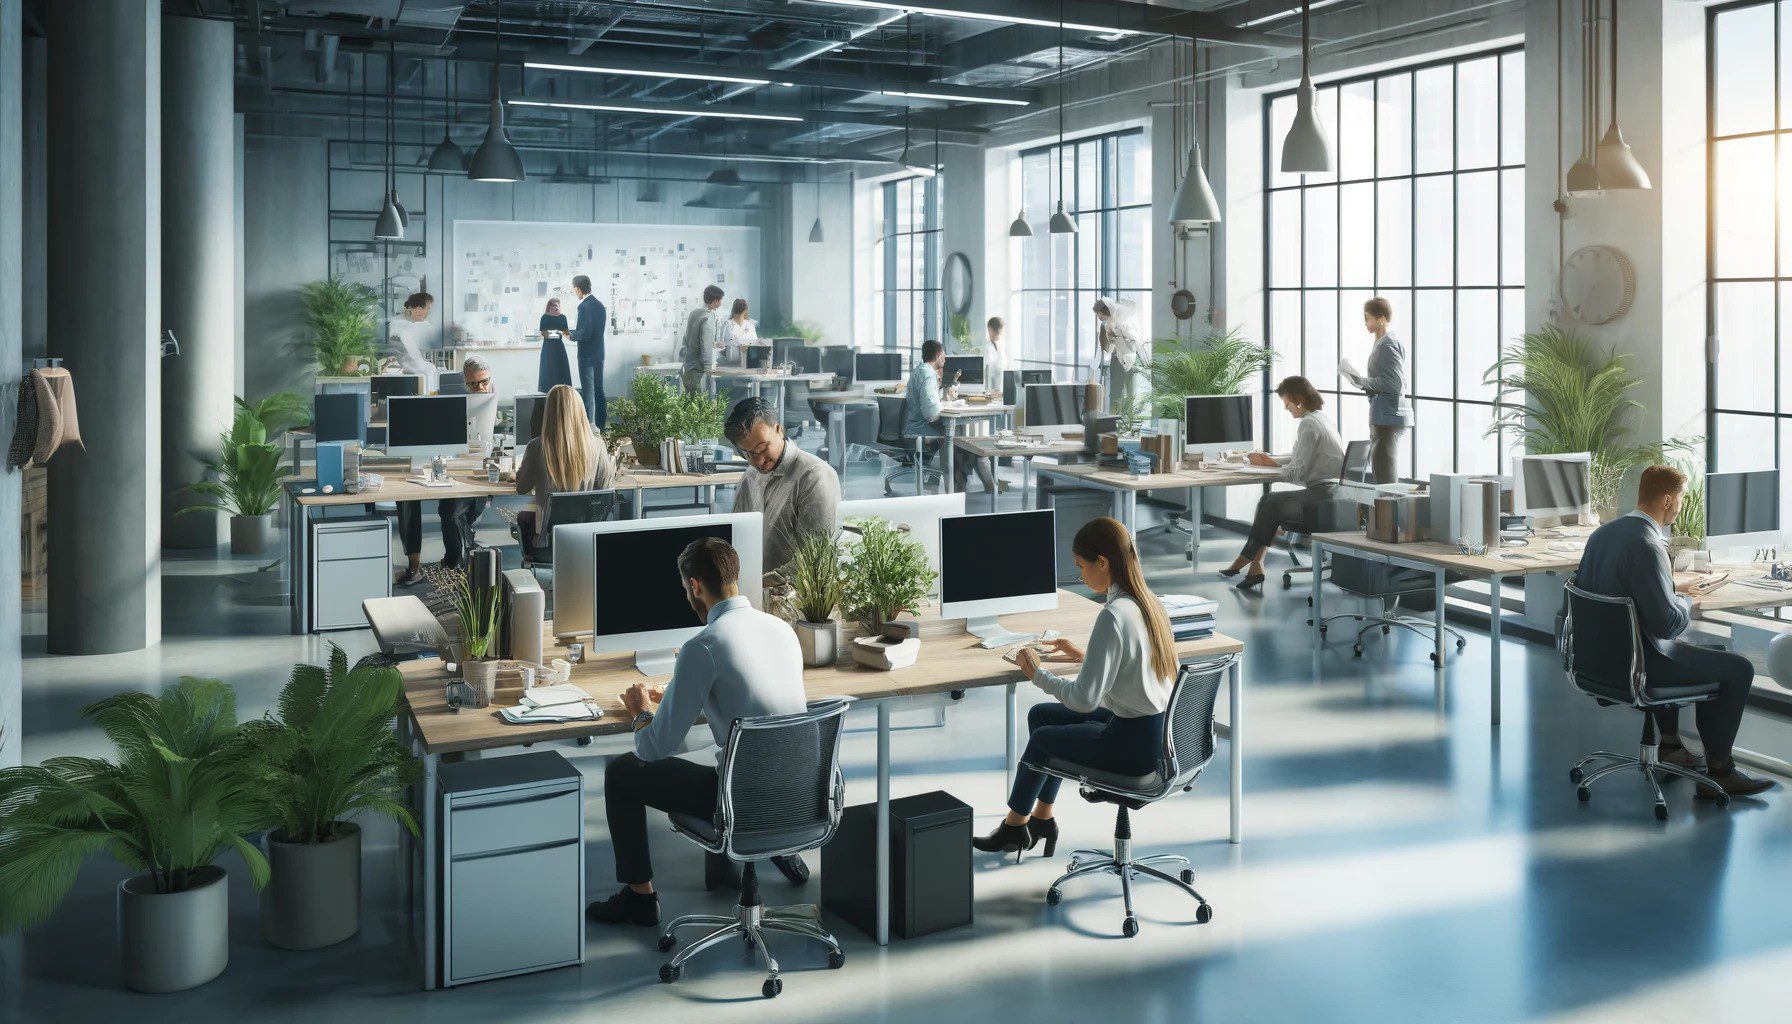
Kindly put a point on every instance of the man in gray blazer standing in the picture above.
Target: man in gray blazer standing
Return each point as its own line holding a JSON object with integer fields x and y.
{"x": 1384, "y": 381}
{"x": 701, "y": 332}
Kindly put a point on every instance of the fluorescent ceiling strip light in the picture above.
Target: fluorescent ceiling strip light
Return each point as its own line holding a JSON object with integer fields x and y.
{"x": 614, "y": 108}
{"x": 1292, "y": 12}
{"x": 640, "y": 73}
{"x": 1003, "y": 19}
{"x": 953, "y": 97}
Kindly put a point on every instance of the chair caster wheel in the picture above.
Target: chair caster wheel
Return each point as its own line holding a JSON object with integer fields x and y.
{"x": 1322, "y": 630}
{"x": 1357, "y": 651}
{"x": 584, "y": 741}
{"x": 1053, "y": 896}
{"x": 836, "y": 959}
{"x": 771, "y": 988}
{"x": 1462, "y": 645}
{"x": 1385, "y": 630}
{"x": 666, "y": 943}
{"x": 1130, "y": 927}
{"x": 1309, "y": 604}
{"x": 1583, "y": 794}
{"x": 1661, "y": 812}
{"x": 1435, "y": 660}
{"x": 1203, "y": 914}
{"x": 1575, "y": 775}
{"x": 1723, "y": 800}
{"x": 669, "y": 973}
{"x": 1287, "y": 582}
{"x": 1188, "y": 877}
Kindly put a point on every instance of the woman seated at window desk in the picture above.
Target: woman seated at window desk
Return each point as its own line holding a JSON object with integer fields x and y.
{"x": 1316, "y": 464}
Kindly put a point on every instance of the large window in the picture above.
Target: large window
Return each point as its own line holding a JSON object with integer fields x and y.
{"x": 1107, "y": 189}
{"x": 906, "y": 267}
{"x": 1425, "y": 207}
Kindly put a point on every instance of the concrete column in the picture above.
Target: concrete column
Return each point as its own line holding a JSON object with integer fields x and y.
{"x": 11, "y": 358}
{"x": 199, "y": 299}
{"x": 105, "y": 282}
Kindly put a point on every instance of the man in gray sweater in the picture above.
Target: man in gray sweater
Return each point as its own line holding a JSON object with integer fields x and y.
{"x": 797, "y": 493}
{"x": 702, "y": 329}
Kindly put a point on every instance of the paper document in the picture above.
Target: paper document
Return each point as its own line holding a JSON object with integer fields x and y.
{"x": 1348, "y": 370}
{"x": 427, "y": 482}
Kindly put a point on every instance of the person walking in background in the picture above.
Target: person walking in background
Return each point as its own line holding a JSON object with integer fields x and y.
{"x": 590, "y": 335}
{"x": 410, "y": 336}
{"x": 702, "y": 330}
{"x": 1384, "y": 381}
{"x": 554, "y": 368}
{"x": 995, "y": 355}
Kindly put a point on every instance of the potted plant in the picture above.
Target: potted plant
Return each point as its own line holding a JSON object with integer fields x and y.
{"x": 182, "y": 790}
{"x": 1218, "y": 363}
{"x": 340, "y": 318}
{"x": 701, "y": 418}
{"x": 481, "y": 614}
{"x": 885, "y": 574}
{"x": 815, "y": 576}
{"x": 246, "y": 480}
{"x": 329, "y": 756}
{"x": 647, "y": 416}
{"x": 958, "y": 331}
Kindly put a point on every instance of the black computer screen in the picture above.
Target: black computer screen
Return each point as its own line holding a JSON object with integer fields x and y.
{"x": 528, "y": 418}
{"x": 999, "y": 554}
{"x": 806, "y": 358}
{"x": 1218, "y": 419}
{"x": 1737, "y": 503}
{"x": 387, "y": 385}
{"x": 877, "y": 366}
{"x": 971, "y": 368}
{"x": 637, "y": 589}
{"x": 1054, "y": 405}
{"x": 339, "y": 417}
{"x": 451, "y": 382}
{"x": 837, "y": 361}
{"x": 757, "y": 354}
{"x": 431, "y": 422}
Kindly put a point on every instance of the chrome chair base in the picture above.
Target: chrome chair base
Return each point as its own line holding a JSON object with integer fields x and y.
{"x": 1652, "y": 769}
{"x": 1391, "y": 619}
{"x": 1123, "y": 865}
{"x": 750, "y": 923}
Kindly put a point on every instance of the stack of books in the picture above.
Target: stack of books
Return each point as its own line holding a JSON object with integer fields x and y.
{"x": 1191, "y": 617}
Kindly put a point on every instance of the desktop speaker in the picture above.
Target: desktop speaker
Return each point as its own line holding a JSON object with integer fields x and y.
{"x": 351, "y": 468}
{"x": 525, "y": 608}
{"x": 330, "y": 455}
{"x": 930, "y": 866}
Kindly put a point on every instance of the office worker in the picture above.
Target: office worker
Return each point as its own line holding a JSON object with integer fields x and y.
{"x": 995, "y": 355}
{"x": 410, "y": 337}
{"x": 743, "y": 664}
{"x": 924, "y": 391}
{"x": 589, "y": 333}
{"x": 1110, "y": 715}
{"x": 1316, "y": 464}
{"x": 1628, "y": 557}
{"x": 457, "y": 515}
{"x": 553, "y": 368}
{"x": 797, "y": 494}
{"x": 738, "y": 331}
{"x": 1118, "y": 352}
{"x": 702, "y": 329}
{"x": 1384, "y": 381}
{"x": 566, "y": 455}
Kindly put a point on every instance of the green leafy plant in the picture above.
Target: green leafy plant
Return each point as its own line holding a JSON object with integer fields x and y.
{"x": 701, "y": 417}
{"x": 804, "y": 329}
{"x": 815, "y": 576}
{"x": 480, "y": 609}
{"x": 1132, "y": 412}
{"x": 958, "y": 334}
{"x": 182, "y": 791}
{"x": 278, "y": 412}
{"x": 331, "y": 753}
{"x": 340, "y": 319}
{"x": 886, "y": 572}
{"x": 246, "y": 473}
{"x": 1217, "y": 363}
{"x": 656, "y": 409}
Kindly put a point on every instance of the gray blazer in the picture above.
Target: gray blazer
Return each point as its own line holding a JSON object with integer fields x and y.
{"x": 1384, "y": 381}
{"x": 1628, "y": 557}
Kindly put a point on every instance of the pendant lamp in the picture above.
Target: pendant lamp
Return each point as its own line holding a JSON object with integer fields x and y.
{"x": 1020, "y": 228}
{"x": 1061, "y": 224}
{"x": 1616, "y": 165}
{"x": 496, "y": 159}
{"x": 447, "y": 156}
{"x": 1582, "y": 180}
{"x": 389, "y": 225}
{"x": 1194, "y": 203}
{"x": 1306, "y": 148}
{"x": 724, "y": 176}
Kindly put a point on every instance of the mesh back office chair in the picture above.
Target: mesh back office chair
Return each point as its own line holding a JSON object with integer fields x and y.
{"x": 781, "y": 794}
{"x": 1188, "y": 747}
{"x": 905, "y": 452}
{"x": 564, "y": 510}
{"x": 1602, "y": 652}
{"x": 1388, "y": 584}
{"x": 1329, "y": 515}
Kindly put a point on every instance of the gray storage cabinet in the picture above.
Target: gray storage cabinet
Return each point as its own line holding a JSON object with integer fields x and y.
{"x": 512, "y": 867}
{"x": 351, "y": 561}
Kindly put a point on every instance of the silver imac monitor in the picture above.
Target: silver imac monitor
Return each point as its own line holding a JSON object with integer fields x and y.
{"x": 806, "y": 358}
{"x": 997, "y": 563}
{"x": 424, "y": 426}
{"x": 966, "y": 371}
{"x": 1742, "y": 510}
{"x": 877, "y": 367}
{"x": 451, "y": 382}
{"x": 1553, "y": 485}
{"x": 482, "y": 418}
{"x": 1217, "y": 423}
{"x": 529, "y": 407}
{"x": 1052, "y": 405}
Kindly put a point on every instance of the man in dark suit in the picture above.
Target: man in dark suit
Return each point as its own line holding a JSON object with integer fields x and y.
{"x": 589, "y": 333}
{"x": 1628, "y": 557}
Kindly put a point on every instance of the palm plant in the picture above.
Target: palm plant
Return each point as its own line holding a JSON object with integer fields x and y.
{"x": 1221, "y": 362}
{"x": 247, "y": 469}
{"x": 340, "y": 318}
{"x": 182, "y": 791}
{"x": 331, "y": 754}
{"x": 815, "y": 576}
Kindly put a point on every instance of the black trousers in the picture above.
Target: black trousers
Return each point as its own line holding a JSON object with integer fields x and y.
{"x": 1283, "y": 510}
{"x": 632, "y": 785}
{"x": 1720, "y": 717}
{"x": 1384, "y": 452}
{"x": 457, "y": 515}
{"x": 1097, "y": 739}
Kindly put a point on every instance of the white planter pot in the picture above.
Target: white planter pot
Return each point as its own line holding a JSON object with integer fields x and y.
{"x": 820, "y": 641}
{"x": 482, "y": 676}
{"x": 314, "y": 897}
{"x": 251, "y": 535}
{"x": 174, "y": 941}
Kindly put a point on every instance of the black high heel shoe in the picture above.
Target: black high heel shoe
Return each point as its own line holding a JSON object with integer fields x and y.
{"x": 1044, "y": 830}
{"x": 1006, "y": 839}
{"x": 1251, "y": 582}
{"x": 1229, "y": 573}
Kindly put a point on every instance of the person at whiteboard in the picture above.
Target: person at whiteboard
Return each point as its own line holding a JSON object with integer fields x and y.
{"x": 701, "y": 332}
{"x": 410, "y": 336}
{"x": 554, "y": 368}
{"x": 1384, "y": 381}
{"x": 589, "y": 333}
{"x": 738, "y": 331}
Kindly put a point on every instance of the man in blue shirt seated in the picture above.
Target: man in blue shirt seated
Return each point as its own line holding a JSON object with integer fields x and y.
{"x": 923, "y": 393}
{"x": 1628, "y": 557}
{"x": 744, "y": 664}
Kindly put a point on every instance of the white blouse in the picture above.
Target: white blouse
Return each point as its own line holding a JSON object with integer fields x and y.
{"x": 1116, "y": 672}
{"x": 735, "y": 334}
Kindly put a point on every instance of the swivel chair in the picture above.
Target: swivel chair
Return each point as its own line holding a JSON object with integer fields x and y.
{"x": 905, "y": 452}
{"x": 1187, "y": 748}
{"x": 564, "y": 509}
{"x": 781, "y": 794}
{"x": 1602, "y": 653}
{"x": 1356, "y": 470}
{"x": 1389, "y": 585}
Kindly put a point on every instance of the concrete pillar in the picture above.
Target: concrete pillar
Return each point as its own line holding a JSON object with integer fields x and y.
{"x": 199, "y": 299}
{"x": 105, "y": 282}
{"x": 11, "y": 358}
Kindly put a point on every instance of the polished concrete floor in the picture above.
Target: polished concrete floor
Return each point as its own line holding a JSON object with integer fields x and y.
{"x": 1403, "y": 861}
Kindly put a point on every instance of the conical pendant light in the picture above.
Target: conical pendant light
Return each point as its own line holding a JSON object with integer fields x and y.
{"x": 388, "y": 226}
{"x": 447, "y": 156}
{"x": 1194, "y": 203}
{"x": 496, "y": 159}
{"x": 1582, "y": 180}
{"x": 815, "y": 233}
{"x": 1616, "y": 164}
{"x": 1020, "y": 228}
{"x": 1061, "y": 224}
{"x": 1306, "y": 148}
{"x": 724, "y": 176}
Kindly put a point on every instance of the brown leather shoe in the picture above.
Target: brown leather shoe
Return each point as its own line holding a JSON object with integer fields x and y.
{"x": 1682, "y": 757}
{"x": 1735, "y": 783}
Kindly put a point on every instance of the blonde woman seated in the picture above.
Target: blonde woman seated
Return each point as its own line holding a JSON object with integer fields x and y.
{"x": 1316, "y": 464}
{"x": 566, "y": 455}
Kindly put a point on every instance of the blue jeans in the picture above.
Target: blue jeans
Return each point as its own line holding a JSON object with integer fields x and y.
{"x": 591, "y": 388}
{"x": 1096, "y": 739}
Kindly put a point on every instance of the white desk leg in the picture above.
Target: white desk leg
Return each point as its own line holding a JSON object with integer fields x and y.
{"x": 1132, "y": 512}
{"x": 920, "y": 466}
{"x": 1235, "y": 737}
{"x": 883, "y": 823}
{"x": 837, "y": 438}
{"x": 994, "y": 485}
{"x": 948, "y": 482}
{"x": 1318, "y": 612}
{"x": 1493, "y": 631}
{"x": 1437, "y": 655}
{"x": 1026, "y": 481}
{"x": 1011, "y": 754}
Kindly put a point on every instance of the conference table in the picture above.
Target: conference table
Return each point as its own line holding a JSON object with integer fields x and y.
{"x": 951, "y": 663}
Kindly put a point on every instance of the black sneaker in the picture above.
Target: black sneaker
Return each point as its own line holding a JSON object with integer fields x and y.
{"x": 627, "y": 906}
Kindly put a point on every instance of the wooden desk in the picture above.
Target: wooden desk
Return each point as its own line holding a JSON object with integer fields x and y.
{"x": 948, "y": 666}
{"x": 1125, "y": 488}
{"x": 951, "y": 416}
{"x": 985, "y": 447}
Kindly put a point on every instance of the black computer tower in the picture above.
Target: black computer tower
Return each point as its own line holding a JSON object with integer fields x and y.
{"x": 930, "y": 866}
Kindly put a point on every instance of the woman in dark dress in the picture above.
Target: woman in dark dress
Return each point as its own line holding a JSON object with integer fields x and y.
{"x": 554, "y": 367}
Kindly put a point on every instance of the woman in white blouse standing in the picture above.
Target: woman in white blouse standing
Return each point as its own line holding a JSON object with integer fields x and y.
{"x": 1316, "y": 464}
{"x": 1118, "y": 352}
{"x": 1110, "y": 715}
{"x": 737, "y": 332}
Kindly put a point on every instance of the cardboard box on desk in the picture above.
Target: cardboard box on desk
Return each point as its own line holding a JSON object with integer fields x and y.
{"x": 1397, "y": 519}
{"x": 1167, "y": 448}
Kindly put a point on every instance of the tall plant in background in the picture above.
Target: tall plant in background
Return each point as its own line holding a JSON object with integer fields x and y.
{"x": 340, "y": 319}
{"x": 246, "y": 473}
{"x": 958, "y": 333}
{"x": 1217, "y": 363}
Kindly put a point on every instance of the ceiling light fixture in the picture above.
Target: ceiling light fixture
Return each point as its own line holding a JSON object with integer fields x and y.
{"x": 1616, "y": 164}
{"x": 1194, "y": 203}
{"x": 724, "y": 176}
{"x": 1002, "y": 19}
{"x": 815, "y": 233}
{"x": 497, "y": 159}
{"x": 1582, "y": 180}
{"x": 955, "y": 97}
{"x": 389, "y": 226}
{"x": 1306, "y": 149}
{"x": 618, "y": 108}
{"x": 1061, "y": 222}
{"x": 447, "y": 155}
{"x": 1279, "y": 15}
{"x": 694, "y": 76}
{"x": 1020, "y": 228}
{"x": 924, "y": 170}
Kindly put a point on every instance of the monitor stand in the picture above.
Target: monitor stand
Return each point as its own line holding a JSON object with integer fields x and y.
{"x": 656, "y": 662}
{"x": 989, "y": 629}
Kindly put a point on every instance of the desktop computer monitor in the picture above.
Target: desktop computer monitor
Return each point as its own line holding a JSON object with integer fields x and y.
{"x": 529, "y": 406}
{"x": 339, "y": 417}
{"x": 997, "y": 563}
{"x": 838, "y": 360}
{"x": 921, "y": 513}
{"x": 783, "y": 347}
{"x": 1217, "y": 423}
{"x": 1014, "y": 383}
{"x": 877, "y": 367}
{"x": 966, "y": 370}
{"x": 423, "y": 427}
{"x": 395, "y": 385}
{"x": 451, "y": 382}
{"x": 1053, "y": 405}
{"x": 617, "y": 583}
{"x": 482, "y": 418}
{"x": 1742, "y": 509}
{"x": 807, "y": 358}
{"x": 757, "y": 354}
{"x": 1553, "y": 485}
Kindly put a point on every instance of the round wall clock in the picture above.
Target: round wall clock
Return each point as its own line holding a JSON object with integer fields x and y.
{"x": 1182, "y": 304}
{"x": 1598, "y": 284}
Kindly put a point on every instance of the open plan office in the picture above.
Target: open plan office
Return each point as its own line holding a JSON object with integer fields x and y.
{"x": 857, "y": 511}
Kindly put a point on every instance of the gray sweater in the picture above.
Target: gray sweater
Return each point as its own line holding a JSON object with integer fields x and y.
{"x": 798, "y": 498}
{"x": 1384, "y": 381}
{"x": 1318, "y": 453}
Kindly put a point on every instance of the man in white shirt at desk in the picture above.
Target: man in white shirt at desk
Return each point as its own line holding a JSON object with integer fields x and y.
{"x": 924, "y": 408}
{"x": 744, "y": 664}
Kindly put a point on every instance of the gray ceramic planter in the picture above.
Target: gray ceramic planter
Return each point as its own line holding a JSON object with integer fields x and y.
{"x": 314, "y": 897}
{"x": 820, "y": 641}
{"x": 251, "y": 535}
{"x": 174, "y": 941}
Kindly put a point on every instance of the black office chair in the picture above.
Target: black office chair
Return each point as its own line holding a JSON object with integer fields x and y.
{"x": 1390, "y": 585}
{"x": 1602, "y": 653}
{"x": 564, "y": 510}
{"x": 1328, "y": 516}
{"x": 1187, "y": 748}
{"x": 781, "y": 795}
{"x": 905, "y": 452}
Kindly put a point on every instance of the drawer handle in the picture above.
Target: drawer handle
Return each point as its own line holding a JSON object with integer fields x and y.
{"x": 509, "y": 851}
